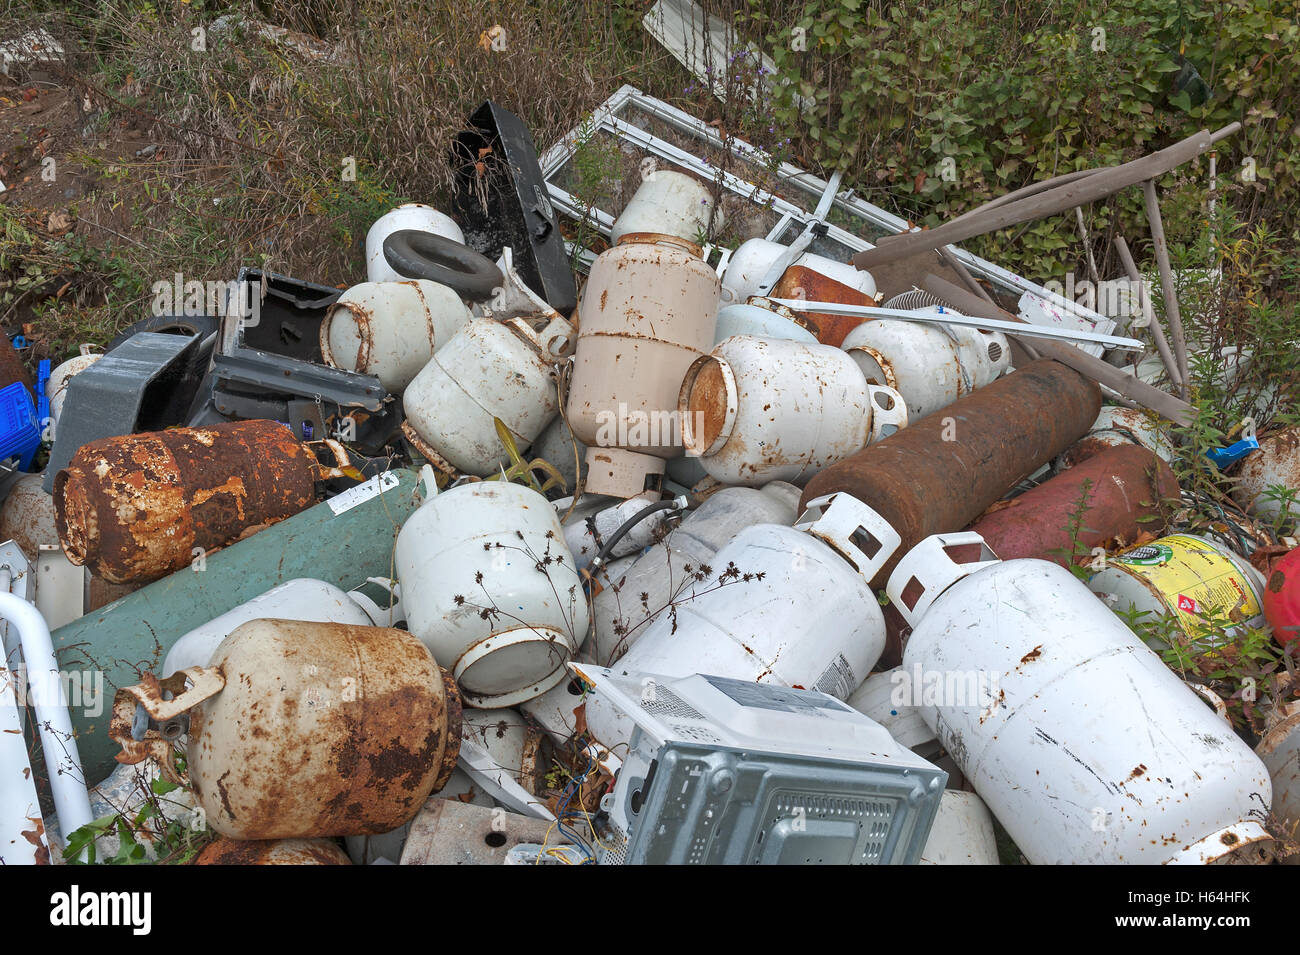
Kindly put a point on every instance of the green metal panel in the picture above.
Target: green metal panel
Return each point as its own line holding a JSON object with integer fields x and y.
{"x": 326, "y": 542}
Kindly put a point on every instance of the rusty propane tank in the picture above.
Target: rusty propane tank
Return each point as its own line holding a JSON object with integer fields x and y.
{"x": 136, "y": 508}
{"x": 301, "y": 729}
{"x": 649, "y": 309}
{"x": 273, "y": 852}
{"x": 1124, "y": 488}
{"x": 940, "y": 473}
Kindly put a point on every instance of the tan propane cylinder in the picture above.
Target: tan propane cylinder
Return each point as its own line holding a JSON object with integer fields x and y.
{"x": 302, "y": 729}
{"x": 648, "y": 311}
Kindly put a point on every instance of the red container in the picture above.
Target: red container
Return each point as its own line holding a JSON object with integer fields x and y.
{"x": 1125, "y": 485}
{"x": 1282, "y": 598}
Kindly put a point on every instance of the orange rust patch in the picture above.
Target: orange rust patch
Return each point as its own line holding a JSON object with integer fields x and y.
{"x": 707, "y": 405}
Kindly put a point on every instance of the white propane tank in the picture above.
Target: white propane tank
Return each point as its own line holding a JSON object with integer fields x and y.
{"x": 1085, "y": 746}
{"x": 661, "y": 576}
{"x": 757, "y": 410}
{"x": 666, "y": 203}
{"x": 512, "y": 743}
{"x": 585, "y": 537}
{"x": 490, "y": 586}
{"x": 390, "y": 329}
{"x": 56, "y": 386}
{"x": 750, "y": 263}
{"x": 806, "y": 616}
{"x": 555, "y": 445}
{"x": 931, "y": 365}
{"x": 410, "y": 215}
{"x": 1280, "y": 751}
{"x": 885, "y": 698}
{"x": 1116, "y": 427}
{"x": 1275, "y": 464}
{"x": 962, "y": 833}
{"x": 298, "y": 599}
{"x": 489, "y": 369}
{"x": 762, "y": 318}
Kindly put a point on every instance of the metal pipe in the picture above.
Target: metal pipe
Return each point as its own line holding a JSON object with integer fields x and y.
{"x": 58, "y": 744}
{"x": 1157, "y": 333}
{"x": 1103, "y": 183}
{"x": 1094, "y": 368}
{"x": 949, "y": 255}
{"x": 1161, "y": 246}
{"x": 950, "y": 318}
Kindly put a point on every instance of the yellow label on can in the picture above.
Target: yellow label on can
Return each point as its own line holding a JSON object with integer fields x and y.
{"x": 1194, "y": 579}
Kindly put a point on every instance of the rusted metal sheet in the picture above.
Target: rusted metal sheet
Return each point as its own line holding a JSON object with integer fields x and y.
{"x": 937, "y": 475}
{"x": 1125, "y": 487}
{"x": 320, "y": 729}
{"x": 134, "y": 508}
{"x": 799, "y": 281}
{"x": 273, "y": 852}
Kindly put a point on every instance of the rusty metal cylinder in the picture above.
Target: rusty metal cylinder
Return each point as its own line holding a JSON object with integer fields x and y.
{"x": 273, "y": 852}
{"x": 1125, "y": 487}
{"x": 136, "y": 508}
{"x": 302, "y": 729}
{"x": 938, "y": 474}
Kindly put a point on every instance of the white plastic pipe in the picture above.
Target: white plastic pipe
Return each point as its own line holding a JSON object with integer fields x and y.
{"x": 18, "y": 803}
{"x": 62, "y": 760}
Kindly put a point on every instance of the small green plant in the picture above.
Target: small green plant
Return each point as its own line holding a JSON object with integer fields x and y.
{"x": 1239, "y": 662}
{"x": 1287, "y": 499}
{"x": 175, "y": 842}
{"x": 595, "y": 169}
{"x": 1074, "y": 527}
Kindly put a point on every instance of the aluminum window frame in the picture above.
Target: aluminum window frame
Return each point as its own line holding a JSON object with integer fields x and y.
{"x": 605, "y": 118}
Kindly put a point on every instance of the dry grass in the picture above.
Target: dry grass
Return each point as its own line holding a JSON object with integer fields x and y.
{"x": 255, "y": 135}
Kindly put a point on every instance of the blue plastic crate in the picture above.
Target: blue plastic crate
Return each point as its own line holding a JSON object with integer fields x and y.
{"x": 20, "y": 431}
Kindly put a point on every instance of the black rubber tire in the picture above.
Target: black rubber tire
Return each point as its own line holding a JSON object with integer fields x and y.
{"x": 200, "y": 325}
{"x": 423, "y": 255}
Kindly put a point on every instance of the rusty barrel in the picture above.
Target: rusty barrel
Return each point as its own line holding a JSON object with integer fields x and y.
{"x": 939, "y": 474}
{"x": 1124, "y": 488}
{"x": 134, "y": 508}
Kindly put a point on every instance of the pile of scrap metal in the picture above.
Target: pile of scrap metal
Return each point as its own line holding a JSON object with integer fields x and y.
{"x": 767, "y": 561}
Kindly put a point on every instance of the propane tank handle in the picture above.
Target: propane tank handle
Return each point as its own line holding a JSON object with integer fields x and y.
{"x": 888, "y": 411}
{"x": 544, "y": 340}
{"x": 430, "y": 481}
{"x": 1213, "y": 699}
{"x": 848, "y": 526}
{"x": 162, "y": 703}
{"x": 930, "y": 566}
{"x": 393, "y": 613}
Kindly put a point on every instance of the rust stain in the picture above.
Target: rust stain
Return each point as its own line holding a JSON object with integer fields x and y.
{"x": 1033, "y": 654}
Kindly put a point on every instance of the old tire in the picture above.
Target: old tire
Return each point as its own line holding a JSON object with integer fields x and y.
{"x": 423, "y": 255}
